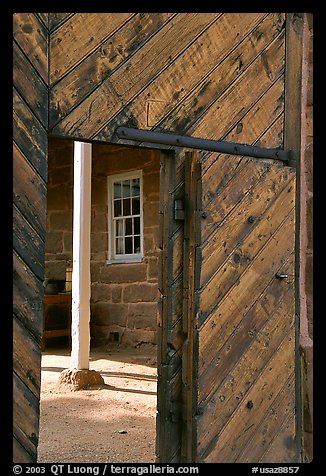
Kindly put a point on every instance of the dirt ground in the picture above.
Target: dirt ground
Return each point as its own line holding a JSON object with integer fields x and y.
{"x": 113, "y": 423}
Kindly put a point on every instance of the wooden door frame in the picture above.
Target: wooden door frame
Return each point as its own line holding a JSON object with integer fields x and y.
{"x": 292, "y": 140}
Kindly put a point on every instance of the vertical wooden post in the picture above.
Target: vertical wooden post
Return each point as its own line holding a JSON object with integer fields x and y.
{"x": 80, "y": 332}
{"x": 292, "y": 140}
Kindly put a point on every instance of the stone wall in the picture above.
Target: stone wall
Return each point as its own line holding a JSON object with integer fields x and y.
{"x": 123, "y": 296}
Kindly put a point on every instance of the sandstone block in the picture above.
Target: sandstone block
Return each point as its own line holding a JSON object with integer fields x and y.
{"x": 73, "y": 380}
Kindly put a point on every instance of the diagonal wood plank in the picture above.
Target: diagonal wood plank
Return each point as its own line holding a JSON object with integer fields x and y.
{"x": 26, "y": 367}
{"x": 56, "y": 20}
{"x": 281, "y": 447}
{"x": 97, "y": 67}
{"x": 32, "y": 37}
{"x": 24, "y": 429}
{"x": 27, "y": 243}
{"x": 29, "y": 192}
{"x": 233, "y": 230}
{"x": 235, "y": 62}
{"x": 30, "y": 86}
{"x": 251, "y": 129}
{"x": 29, "y": 135}
{"x": 271, "y": 425}
{"x": 134, "y": 75}
{"x": 233, "y": 235}
{"x": 189, "y": 70}
{"x": 254, "y": 323}
{"x": 229, "y": 311}
{"x": 269, "y": 383}
{"x": 246, "y": 90}
{"x": 28, "y": 295}
{"x": 79, "y": 36}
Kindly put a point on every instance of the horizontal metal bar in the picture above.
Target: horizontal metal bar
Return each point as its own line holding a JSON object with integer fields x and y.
{"x": 232, "y": 148}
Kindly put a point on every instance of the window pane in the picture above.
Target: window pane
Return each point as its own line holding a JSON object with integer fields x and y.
{"x": 126, "y": 207}
{"x": 117, "y": 189}
{"x": 128, "y": 244}
{"x": 136, "y": 226}
{"x": 136, "y": 244}
{"x": 117, "y": 208}
{"x": 128, "y": 226}
{"x": 119, "y": 228}
{"x": 136, "y": 206}
{"x": 135, "y": 187}
{"x": 119, "y": 246}
{"x": 126, "y": 188}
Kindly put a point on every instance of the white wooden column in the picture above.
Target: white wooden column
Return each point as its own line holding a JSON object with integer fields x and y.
{"x": 81, "y": 283}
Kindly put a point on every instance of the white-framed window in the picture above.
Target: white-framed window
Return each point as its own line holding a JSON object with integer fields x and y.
{"x": 125, "y": 212}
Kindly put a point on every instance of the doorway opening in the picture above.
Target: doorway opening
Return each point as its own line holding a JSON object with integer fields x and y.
{"x": 115, "y": 422}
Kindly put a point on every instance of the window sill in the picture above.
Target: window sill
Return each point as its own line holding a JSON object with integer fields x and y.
{"x": 124, "y": 260}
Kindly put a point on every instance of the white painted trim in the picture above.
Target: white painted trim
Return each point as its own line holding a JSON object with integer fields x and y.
{"x": 81, "y": 279}
{"x": 124, "y": 258}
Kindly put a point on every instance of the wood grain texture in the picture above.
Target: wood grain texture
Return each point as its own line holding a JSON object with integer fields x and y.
{"x": 25, "y": 416}
{"x": 243, "y": 334}
{"x": 30, "y": 126}
{"x": 125, "y": 83}
{"x": 30, "y": 85}
{"x": 29, "y": 192}
{"x": 32, "y": 37}
{"x": 78, "y": 37}
{"x": 29, "y": 135}
{"x": 97, "y": 67}
{"x": 212, "y": 75}
{"x": 57, "y": 19}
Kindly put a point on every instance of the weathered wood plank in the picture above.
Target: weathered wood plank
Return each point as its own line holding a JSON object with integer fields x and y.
{"x": 29, "y": 192}
{"x": 294, "y": 115}
{"x": 236, "y": 384}
{"x": 26, "y": 357}
{"x": 32, "y": 37}
{"x": 263, "y": 268}
{"x": 169, "y": 370}
{"x": 44, "y": 17}
{"x": 243, "y": 238}
{"x": 253, "y": 129}
{"x": 87, "y": 119}
{"x": 189, "y": 69}
{"x": 273, "y": 137}
{"x": 78, "y": 37}
{"x": 97, "y": 67}
{"x": 28, "y": 244}
{"x": 232, "y": 397}
{"x": 254, "y": 126}
{"x": 28, "y": 294}
{"x": 29, "y": 135}
{"x": 253, "y": 325}
{"x": 293, "y": 72}
{"x": 271, "y": 427}
{"x": 20, "y": 454}
{"x": 30, "y": 86}
{"x": 234, "y": 53}
{"x": 25, "y": 404}
{"x": 221, "y": 202}
{"x": 268, "y": 384}
{"x": 246, "y": 90}
{"x": 57, "y": 19}
{"x": 282, "y": 446}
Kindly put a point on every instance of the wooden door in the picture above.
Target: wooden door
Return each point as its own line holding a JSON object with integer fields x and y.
{"x": 239, "y": 355}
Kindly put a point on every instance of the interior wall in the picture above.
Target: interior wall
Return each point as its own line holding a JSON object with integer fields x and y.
{"x": 123, "y": 296}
